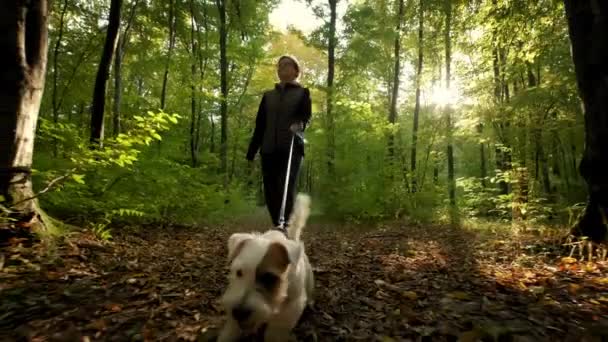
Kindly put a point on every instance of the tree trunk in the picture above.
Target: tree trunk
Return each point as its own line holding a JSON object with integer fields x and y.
{"x": 483, "y": 170}
{"x": 331, "y": 61}
{"x": 99, "y": 94}
{"x": 54, "y": 99}
{"x": 588, "y": 24}
{"x": 418, "y": 83}
{"x": 194, "y": 114}
{"x": 121, "y": 46}
{"x": 221, "y": 6}
{"x": 24, "y": 46}
{"x": 392, "y": 117}
{"x": 172, "y": 21}
{"x": 117, "y": 88}
{"x": 448, "y": 109}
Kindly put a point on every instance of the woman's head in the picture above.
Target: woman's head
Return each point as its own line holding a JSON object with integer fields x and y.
{"x": 288, "y": 69}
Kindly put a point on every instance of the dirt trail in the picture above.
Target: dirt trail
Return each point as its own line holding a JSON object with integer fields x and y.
{"x": 397, "y": 283}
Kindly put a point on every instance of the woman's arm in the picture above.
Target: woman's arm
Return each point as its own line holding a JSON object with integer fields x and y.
{"x": 258, "y": 132}
{"x": 306, "y": 109}
{"x": 304, "y": 113}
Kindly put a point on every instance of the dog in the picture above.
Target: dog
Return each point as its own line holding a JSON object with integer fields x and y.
{"x": 270, "y": 280}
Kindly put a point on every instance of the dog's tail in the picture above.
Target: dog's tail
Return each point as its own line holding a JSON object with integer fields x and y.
{"x": 299, "y": 216}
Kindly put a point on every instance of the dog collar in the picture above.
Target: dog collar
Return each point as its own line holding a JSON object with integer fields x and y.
{"x": 281, "y": 229}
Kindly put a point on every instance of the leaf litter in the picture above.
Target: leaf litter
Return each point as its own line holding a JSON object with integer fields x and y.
{"x": 389, "y": 283}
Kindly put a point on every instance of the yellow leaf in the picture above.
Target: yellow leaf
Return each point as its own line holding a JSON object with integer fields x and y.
{"x": 601, "y": 281}
{"x": 411, "y": 295}
{"x": 590, "y": 267}
{"x": 470, "y": 336}
{"x": 603, "y": 299}
{"x": 387, "y": 339}
{"x": 568, "y": 260}
{"x": 593, "y": 301}
{"x": 548, "y": 301}
{"x": 459, "y": 295}
{"x": 573, "y": 288}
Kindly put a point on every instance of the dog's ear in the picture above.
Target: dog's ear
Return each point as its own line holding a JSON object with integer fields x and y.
{"x": 236, "y": 243}
{"x": 276, "y": 258}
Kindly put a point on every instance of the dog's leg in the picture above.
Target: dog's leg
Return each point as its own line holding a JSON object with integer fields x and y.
{"x": 279, "y": 328}
{"x": 230, "y": 332}
{"x": 310, "y": 286}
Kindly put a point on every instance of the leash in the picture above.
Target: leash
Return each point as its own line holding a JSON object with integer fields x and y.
{"x": 281, "y": 226}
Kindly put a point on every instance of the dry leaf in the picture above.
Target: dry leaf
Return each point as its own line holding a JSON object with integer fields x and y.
{"x": 573, "y": 288}
{"x": 601, "y": 281}
{"x": 114, "y": 307}
{"x": 568, "y": 260}
{"x": 459, "y": 295}
{"x": 411, "y": 295}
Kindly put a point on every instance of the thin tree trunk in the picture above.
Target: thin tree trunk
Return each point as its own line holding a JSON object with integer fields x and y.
{"x": 418, "y": 84}
{"x": 331, "y": 61}
{"x": 24, "y": 46}
{"x": 193, "y": 117}
{"x": 483, "y": 170}
{"x": 172, "y": 21}
{"x": 448, "y": 75}
{"x": 56, "y": 70}
{"x": 117, "y": 88}
{"x": 392, "y": 117}
{"x": 121, "y": 46}
{"x": 221, "y": 6}
{"x": 99, "y": 94}
{"x": 588, "y": 24}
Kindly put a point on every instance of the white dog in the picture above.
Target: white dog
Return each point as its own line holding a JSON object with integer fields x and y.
{"x": 270, "y": 280}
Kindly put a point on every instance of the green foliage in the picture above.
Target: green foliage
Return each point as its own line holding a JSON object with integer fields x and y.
{"x": 527, "y": 115}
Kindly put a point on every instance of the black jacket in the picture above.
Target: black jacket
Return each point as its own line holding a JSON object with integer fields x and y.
{"x": 279, "y": 109}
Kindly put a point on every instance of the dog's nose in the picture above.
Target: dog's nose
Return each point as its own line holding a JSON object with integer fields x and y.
{"x": 241, "y": 313}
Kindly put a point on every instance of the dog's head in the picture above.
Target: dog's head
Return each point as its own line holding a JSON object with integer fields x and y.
{"x": 258, "y": 276}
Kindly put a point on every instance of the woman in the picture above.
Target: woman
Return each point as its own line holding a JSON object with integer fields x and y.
{"x": 283, "y": 111}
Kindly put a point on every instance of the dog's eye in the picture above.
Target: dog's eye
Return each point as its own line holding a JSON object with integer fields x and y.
{"x": 268, "y": 280}
{"x": 239, "y": 273}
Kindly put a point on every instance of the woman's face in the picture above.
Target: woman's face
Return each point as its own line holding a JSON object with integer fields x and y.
{"x": 287, "y": 70}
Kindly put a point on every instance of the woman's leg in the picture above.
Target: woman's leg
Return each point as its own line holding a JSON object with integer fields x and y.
{"x": 271, "y": 186}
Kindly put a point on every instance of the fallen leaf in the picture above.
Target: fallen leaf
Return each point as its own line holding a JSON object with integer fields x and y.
{"x": 568, "y": 260}
{"x": 470, "y": 336}
{"x": 573, "y": 288}
{"x": 114, "y": 307}
{"x": 411, "y": 295}
{"x": 601, "y": 281}
{"x": 546, "y": 300}
{"x": 459, "y": 295}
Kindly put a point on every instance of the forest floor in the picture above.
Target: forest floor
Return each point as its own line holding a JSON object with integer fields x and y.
{"x": 390, "y": 282}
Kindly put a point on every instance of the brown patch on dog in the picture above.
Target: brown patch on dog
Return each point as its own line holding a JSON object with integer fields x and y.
{"x": 271, "y": 273}
{"x": 237, "y": 250}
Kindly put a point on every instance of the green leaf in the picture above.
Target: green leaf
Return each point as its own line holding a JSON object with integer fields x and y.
{"x": 78, "y": 178}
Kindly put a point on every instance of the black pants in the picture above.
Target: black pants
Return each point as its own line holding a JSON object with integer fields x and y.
{"x": 274, "y": 168}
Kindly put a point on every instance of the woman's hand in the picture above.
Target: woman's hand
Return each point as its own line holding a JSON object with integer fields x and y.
{"x": 296, "y": 127}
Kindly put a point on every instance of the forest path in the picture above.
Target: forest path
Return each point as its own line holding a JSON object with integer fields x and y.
{"x": 384, "y": 283}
